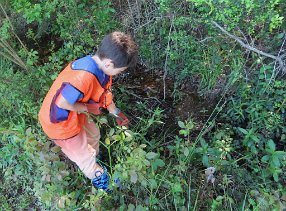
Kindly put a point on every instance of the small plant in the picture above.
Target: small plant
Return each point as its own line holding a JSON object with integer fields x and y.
{"x": 274, "y": 159}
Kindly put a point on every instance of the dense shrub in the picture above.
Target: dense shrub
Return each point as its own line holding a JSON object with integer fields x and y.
{"x": 235, "y": 160}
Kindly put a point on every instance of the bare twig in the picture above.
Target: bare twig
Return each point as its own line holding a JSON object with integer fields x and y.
{"x": 11, "y": 54}
{"x": 276, "y": 58}
{"x": 274, "y": 74}
{"x": 205, "y": 39}
{"x": 13, "y": 30}
{"x": 167, "y": 55}
{"x": 145, "y": 98}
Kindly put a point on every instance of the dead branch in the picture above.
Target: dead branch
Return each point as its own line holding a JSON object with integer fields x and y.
{"x": 276, "y": 58}
{"x": 167, "y": 55}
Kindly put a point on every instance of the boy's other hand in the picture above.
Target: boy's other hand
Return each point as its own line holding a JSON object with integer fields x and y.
{"x": 93, "y": 108}
{"x": 122, "y": 120}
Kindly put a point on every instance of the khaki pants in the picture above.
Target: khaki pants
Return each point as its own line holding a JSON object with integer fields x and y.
{"x": 83, "y": 148}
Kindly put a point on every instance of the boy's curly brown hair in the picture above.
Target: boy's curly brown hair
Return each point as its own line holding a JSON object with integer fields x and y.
{"x": 120, "y": 48}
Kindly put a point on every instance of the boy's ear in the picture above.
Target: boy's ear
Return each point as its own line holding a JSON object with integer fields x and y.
{"x": 108, "y": 63}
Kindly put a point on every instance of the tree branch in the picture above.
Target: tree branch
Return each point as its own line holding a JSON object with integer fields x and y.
{"x": 276, "y": 58}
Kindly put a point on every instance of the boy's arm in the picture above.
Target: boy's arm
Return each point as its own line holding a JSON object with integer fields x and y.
{"x": 61, "y": 102}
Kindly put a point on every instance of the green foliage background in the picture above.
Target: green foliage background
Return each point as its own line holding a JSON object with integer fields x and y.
{"x": 243, "y": 136}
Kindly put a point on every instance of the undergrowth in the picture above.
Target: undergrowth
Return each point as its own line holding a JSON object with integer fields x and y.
{"x": 235, "y": 161}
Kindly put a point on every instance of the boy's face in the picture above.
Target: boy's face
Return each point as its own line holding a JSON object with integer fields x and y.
{"x": 109, "y": 69}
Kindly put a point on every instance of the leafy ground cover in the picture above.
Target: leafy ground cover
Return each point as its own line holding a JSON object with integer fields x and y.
{"x": 206, "y": 102}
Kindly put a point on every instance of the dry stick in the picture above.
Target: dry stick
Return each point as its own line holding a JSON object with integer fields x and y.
{"x": 280, "y": 51}
{"x": 13, "y": 28}
{"x": 167, "y": 55}
{"x": 276, "y": 58}
{"x": 273, "y": 76}
{"x": 8, "y": 48}
{"x": 130, "y": 9}
{"x": 10, "y": 58}
{"x": 145, "y": 98}
{"x": 12, "y": 55}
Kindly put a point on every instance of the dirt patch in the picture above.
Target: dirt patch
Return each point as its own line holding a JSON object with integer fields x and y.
{"x": 149, "y": 85}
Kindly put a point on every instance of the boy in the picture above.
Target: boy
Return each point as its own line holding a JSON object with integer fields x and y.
{"x": 85, "y": 86}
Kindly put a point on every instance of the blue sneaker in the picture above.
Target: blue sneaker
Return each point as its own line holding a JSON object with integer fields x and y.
{"x": 101, "y": 180}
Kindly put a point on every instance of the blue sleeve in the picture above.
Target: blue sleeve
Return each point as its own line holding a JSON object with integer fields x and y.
{"x": 71, "y": 94}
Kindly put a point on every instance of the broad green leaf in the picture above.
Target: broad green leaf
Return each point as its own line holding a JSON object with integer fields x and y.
{"x": 103, "y": 120}
{"x": 275, "y": 176}
{"x": 266, "y": 67}
{"x": 177, "y": 188}
{"x": 255, "y": 138}
{"x": 203, "y": 142}
{"x": 205, "y": 160}
{"x": 271, "y": 145}
{"x": 242, "y": 130}
{"x": 131, "y": 207}
{"x": 146, "y": 162}
{"x": 184, "y": 132}
{"x": 157, "y": 163}
{"x": 280, "y": 35}
{"x": 151, "y": 155}
{"x": 128, "y": 133}
{"x": 186, "y": 151}
{"x": 275, "y": 161}
{"x": 107, "y": 141}
{"x": 265, "y": 158}
{"x": 116, "y": 137}
{"x": 111, "y": 132}
{"x": 56, "y": 149}
{"x": 152, "y": 183}
{"x": 280, "y": 154}
{"x": 140, "y": 208}
{"x": 133, "y": 176}
{"x": 181, "y": 124}
{"x": 144, "y": 183}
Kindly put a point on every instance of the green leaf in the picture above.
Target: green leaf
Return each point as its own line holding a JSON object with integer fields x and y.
{"x": 157, "y": 163}
{"x": 280, "y": 154}
{"x": 152, "y": 183}
{"x": 56, "y": 149}
{"x": 266, "y": 67}
{"x": 133, "y": 176}
{"x": 131, "y": 207}
{"x": 186, "y": 151}
{"x": 107, "y": 141}
{"x": 271, "y": 145}
{"x": 254, "y": 138}
{"x": 111, "y": 132}
{"x": 116, "y": 137}
{"x": 151, "y": 155}
{"x": 103, "y": 120}
{"x": 205, "y": 160}
{"x": 242, "y": 130}
{"x": 146, "y": 162}
{"x": 181, "y": 124}
{"x": 184, "y": 132}
{"x": 128, "y": 133}
{"x": 203, "y": 142}
{"x": 265, "y": 158}
{"x": 275, "y": 176}
{"x": 275, "y": 161}
{"x": 177, "y": 188}
{"x": 280, "y": 36}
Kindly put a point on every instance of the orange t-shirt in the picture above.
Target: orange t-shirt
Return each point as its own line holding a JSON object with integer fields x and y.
{"x": 86, "y": 83}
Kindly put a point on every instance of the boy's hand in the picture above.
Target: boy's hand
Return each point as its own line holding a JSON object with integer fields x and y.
{"x": 122, "y": 120}
{"x": 93, "y": 108}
